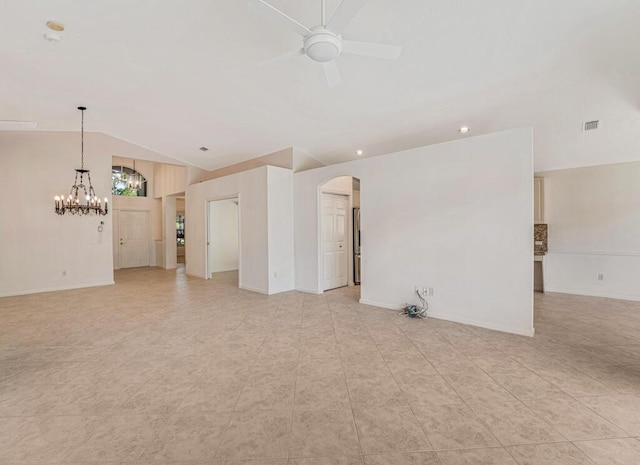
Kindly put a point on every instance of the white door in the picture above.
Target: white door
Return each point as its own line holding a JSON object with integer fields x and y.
{"x": 133, "y": 228}
{"x": 334, "y": 240}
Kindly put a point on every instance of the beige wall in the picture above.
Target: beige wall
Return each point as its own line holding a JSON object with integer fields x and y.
{"x": 282, "y": 159}
{"x": 593, "y": 215}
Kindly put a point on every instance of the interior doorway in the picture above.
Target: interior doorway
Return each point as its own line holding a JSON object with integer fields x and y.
{"x": 335, "y": 255}
{"x": 340, "y": 233}
{"x": 134, "y": 239}
{"x": 180, "y": 233}
{"x": 223, "y": 239}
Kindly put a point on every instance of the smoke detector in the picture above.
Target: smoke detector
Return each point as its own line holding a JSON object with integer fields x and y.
{"x": 54, "y": 27}
{"x": 590, "y": 125}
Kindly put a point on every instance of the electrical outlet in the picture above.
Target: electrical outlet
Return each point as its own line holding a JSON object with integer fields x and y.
{"x": 600, "y": 276}
{"x": 430, "y": 292}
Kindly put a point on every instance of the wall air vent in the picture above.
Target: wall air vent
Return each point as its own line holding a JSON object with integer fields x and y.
{"x": 203, "y": 149}
{"x": 590, "y": 125}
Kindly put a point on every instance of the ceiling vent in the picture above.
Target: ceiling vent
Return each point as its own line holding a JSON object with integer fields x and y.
{"x": 203, "y": 149}
{"x": 590, "y": 125}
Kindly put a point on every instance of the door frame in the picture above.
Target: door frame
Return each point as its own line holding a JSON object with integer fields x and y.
{"x": 206, "y": 234}
{"x": 149, "y": 235}
{"x": 321, "y": 191}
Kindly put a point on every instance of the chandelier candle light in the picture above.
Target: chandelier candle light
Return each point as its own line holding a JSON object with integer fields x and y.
{"x": 75, "y": 203}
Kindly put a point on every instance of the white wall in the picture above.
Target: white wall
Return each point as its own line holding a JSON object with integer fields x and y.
{"x": 170, "y": 246}
{"x": 455, "y": 216}
{"x": 258, "y": 237}
{"x": 223, "y": 236}
{"x": 280, "y": 224}
{"x": 594, "y": 227}
{"x": 36, "y": 245}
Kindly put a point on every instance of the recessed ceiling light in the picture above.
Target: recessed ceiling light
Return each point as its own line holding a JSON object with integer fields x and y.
{"x": 464, "y": 129}
{"x": 55, "y": 26}
{"x": 203, "y": 149}
{"x": 359, "y": 152}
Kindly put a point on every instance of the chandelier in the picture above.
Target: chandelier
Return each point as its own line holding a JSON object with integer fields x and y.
{"x": 134, "y": 180}
{"x": 82, "y": 200}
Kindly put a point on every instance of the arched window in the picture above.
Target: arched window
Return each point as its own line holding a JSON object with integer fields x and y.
{"x": 126, "y": 181}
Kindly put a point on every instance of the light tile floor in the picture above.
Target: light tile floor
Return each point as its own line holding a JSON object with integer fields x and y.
{"x": 164, "y": 369}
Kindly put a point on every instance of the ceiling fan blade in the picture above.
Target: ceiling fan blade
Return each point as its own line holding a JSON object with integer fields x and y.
{"x": 369, "y": 49}
{"x": 284, "y": 57}
{"x": 331, "y": 73}
{"x": 344, "y": 14}
{"x": 277, "y": 15}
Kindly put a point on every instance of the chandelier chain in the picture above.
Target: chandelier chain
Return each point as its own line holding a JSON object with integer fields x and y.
{"x": 82, "y": 141}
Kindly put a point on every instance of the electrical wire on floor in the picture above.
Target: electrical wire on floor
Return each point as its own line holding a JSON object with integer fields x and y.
{"x": 413, "y": 311}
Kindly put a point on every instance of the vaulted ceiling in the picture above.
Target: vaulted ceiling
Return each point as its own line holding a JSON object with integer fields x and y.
{"x": 177, "y": 75}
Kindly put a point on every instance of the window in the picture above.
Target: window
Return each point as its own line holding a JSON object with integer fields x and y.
{"x": 123, "y": 182}
{"x": 180, "y": 230}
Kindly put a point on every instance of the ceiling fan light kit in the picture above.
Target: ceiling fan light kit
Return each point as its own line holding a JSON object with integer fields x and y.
{"x": 324, "y": 43}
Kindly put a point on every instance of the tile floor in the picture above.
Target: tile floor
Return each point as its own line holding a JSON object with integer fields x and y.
{"x": 163, "y": 369}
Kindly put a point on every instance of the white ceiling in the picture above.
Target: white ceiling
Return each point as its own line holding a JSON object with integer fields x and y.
{"x": 176, "y": 75}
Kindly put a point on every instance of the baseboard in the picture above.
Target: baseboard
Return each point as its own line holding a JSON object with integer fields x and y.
{"x": 55, "y": 289}
{"x": 479, "y": 324}
{"x": 308, "y": 291}
{"x": 253, "y": 289}
{"x": 381, "y": 304}
{"x": 606, "y": 295}
{"x": 456, "y": 319}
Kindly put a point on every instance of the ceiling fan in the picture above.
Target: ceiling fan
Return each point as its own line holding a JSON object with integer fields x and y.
{"x": 324, "y": 43}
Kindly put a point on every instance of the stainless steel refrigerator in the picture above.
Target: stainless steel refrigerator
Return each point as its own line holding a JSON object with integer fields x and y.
{"x": 356, "y": 245}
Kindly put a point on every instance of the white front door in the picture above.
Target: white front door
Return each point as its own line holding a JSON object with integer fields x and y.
{"x": 134, "y": 241}
{"x": 334, "y": 240}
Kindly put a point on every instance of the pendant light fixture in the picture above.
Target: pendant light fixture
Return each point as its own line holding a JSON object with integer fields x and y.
{"x": 82, "y": 199}
{"x": 133, "y": 179}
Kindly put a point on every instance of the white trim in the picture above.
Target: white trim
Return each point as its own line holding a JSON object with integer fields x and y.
{"x": 634, "y": 298}
{"x": 465, "y": 321}
{"x": 381, "y": 304}
{"x": 253, "y": 289}
{"x": 455, "y": 319}
{"x": 56, "y": 289}
{"x": 309, "y": 291}
{"x": 595, "y": 253}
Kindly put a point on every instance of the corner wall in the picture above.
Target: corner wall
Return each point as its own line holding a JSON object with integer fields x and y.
{"x": 40, "y": 250}
{"x": 265, "y": 212}
{"x": 455, "y": 216}
{"x": 593, "y": 215}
